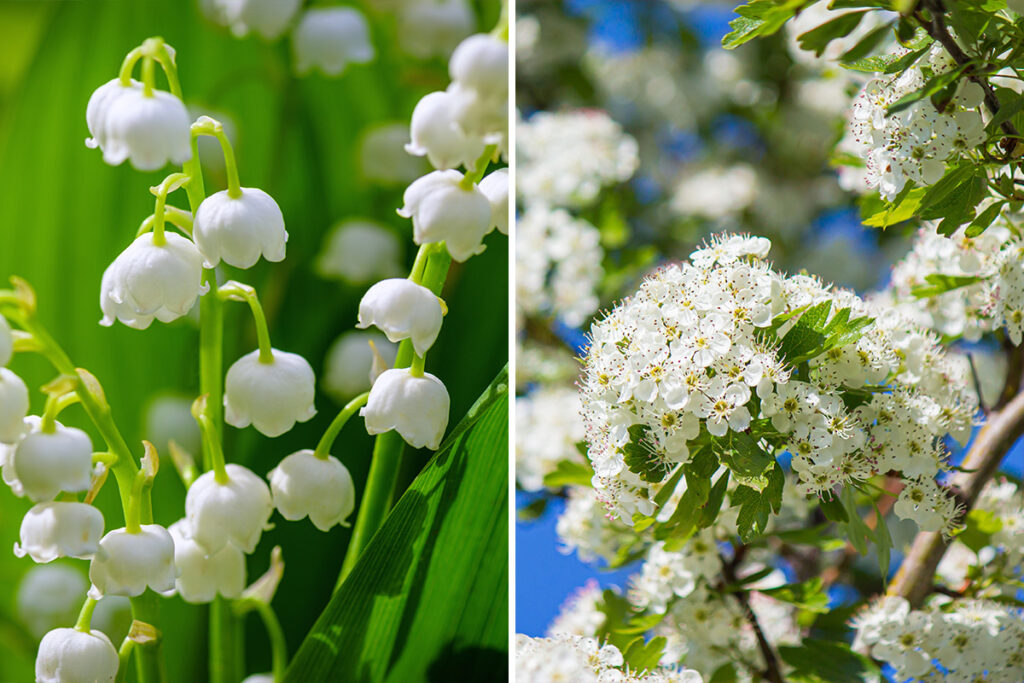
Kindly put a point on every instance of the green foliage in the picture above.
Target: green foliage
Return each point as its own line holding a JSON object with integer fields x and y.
{"x": 814, "y": 333}
{"x": 642, "y": 657}
{"x": 807, "y": 595}
{"x": 760, "y": 18}
{"x": 427, "y": 599}
{"x": 815, "y": 536}
{"x": 877, "y": 213}
{"x": 940, "y": 284}
{"x": 978, "y": 529}
{"x": 569, "y": 473}
{"x": 756, "y": 506}
{"x": 953, "y": 199}
{"x": 639, "y": 457}
{"x": 823, "y": 661}
{"x": 885, "y": 64}
{"x": 817, "y": 39}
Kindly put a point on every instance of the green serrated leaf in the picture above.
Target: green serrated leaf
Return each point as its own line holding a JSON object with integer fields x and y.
{"x": 886, "y": 64}
{"x": 866, "y": 45}
{"x": 752, "y": 519}
{"x": 817, "y": 39}
{"x": 641, "y": 657}
{"x": 879, "y": 214}
{"x": 859, "y": 533}
{"x": 822, "y": 661}
{"x": 741, "y": 453}
{"x": 984, "y": 219}
{"x": 940, "y": 284}
{"x": 807, "y": 595}
{"x": 640, "y": 459}
{"x": 709, "y": 513}
{"x": 978, "y": 529}
{"x": 834, "y": 510}
{"x": 760, "y": 18}
{"x": 569, "y": 473}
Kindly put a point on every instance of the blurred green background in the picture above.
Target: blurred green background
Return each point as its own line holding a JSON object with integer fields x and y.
{"x": 64, "y": 216}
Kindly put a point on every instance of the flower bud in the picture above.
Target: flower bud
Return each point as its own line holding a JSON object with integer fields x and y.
{"x": 259, "y": 678}
{"x": 443, "y": 211}
{"x": 434, "y": 134}
{"x": 433, "y": 29}
{"x": 303, "y": 484}
{"x": 495, "y": 188}
{"x": 67, "y": 655}
{"x": 268, "y": 18}
{"x": 6, "y": 342}
{"x": 415, "y": 407}
{"x": 202, "y": 575}
{"x": 49, "y": 596}
{"x": 329, "y": 38}
{"x": 402, "y": 309}
{"x": 239, "y": 230}
{"x": 360, "y": 252}
{"x": 271, "y": 397}
{"x": 349, "y": 363}
{"x": 60, "y": 529}
{"x": 47, "y": 464}
{"x": 235, "y": 511}
{"x": 150, "y": 131}
{"x": 13, "y": 406}
{"x": 149, "y": 281}
{"x": 382, "y": 155}
{"x": 127, "y": 563}
{"x": 480, "y": 63}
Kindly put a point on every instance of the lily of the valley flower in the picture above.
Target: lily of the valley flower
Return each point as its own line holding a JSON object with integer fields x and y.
{"x": 127, "y": 563}
{"x": 442, "y": 210}
{"x": 435, "y": 135}
{"x": 270, "y": 396}
{"x": 50, "y": 596}
{"x": 360, "y": 252}
{"x": 48, "y": 463}
{"x": 238, "y": 230}
{"x": 13, "y": 406}
{"x": 433, "y": 29}
{"x": 329, "y": 39}
{"x": 67, "y": 655}
{"x": 349, "y": 363}
{"x": 60, "y": 529}
{"x": 495, "y": 188}
{"x": 415, "y": 407}
{"x": 268, "y": 18}
{"x": 402, "y": 309}
{"x": 149, "y": 130}
{"x": 235, "y": 511}
{"x": 305, "y": 485}
{"x": 202, "y": 574}
{"x": 149, "y": 280}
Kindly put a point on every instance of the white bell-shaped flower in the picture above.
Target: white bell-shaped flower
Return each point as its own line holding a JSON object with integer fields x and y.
{"x": 478, "y": 114}
{"x": 98, "y": 107}
{"x": 48, "y": 463}
{"x": 10, "y": 477}
{"x": 304, "y": 485}
{"x": 6, "y": 342}
{"x": 415, "y": 407}
{"x": 148, "y": 281}
{"x": 127, "y": 563}
{"x": 480, "y": 63}
{"x": 433, "y": 29}
{"x": 238, "y": 230}
{"x": 268, "y": 18}
{"x": 349, "y": 363}
{"x": 67, "y": 655}
{"x": 443, "y": 211}
{"x": 235, "y": 511}
{"x": 150, "y": 131}
{"x": 13, "y": 406}
{"x": 271, "y": 397}
{"x": 259, "y": 678}
{"x": 435, "y": 134}
{"x": 201, "y": 574}
{"x": 60, "y": 529}
{"x": 50, "y": 596}
{"x": 329, "y": 39}
{"x": 360, "y": 252}
{"x": 495, "y": 188}
{"x": 402, "y": 309}
{"x": 382, "y": 155}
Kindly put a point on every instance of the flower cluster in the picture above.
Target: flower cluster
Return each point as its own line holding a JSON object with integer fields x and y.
{"x": 724, "y": 345}
{"x": 965, "y": 640}
{"x": 548, "y": 430}
{"x": 585, "y": 660}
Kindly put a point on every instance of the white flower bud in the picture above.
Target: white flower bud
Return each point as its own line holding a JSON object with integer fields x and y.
{"x": 259, "y": 678}
{"x": 478, "y": 114}
{"x": 402, "y": 309}
{"x": 67, "y": 655}
{"x": 13, "y": 406}
{"x": 495, "y": 188}
{"x": 415, "y": 407}
{"x": 304, "y": 485}
{"x": 10, "y": 477}
{"x": 443, "y": 211}
{"x": 268, "y": 18}
{"x": 360, "y": 252}
{"x": 236, "y": 511}
{"x": 329, "y": 38}
{"x": 60, "y": 529}
{"x": 149, "y": 131}
{"x": 239, "y": 230}
{"x": 433, "y": 29}
{"x": 349, "y": 363}
{"x": 127, "y": 563}
{"x": 149, "y": 281}
{"x": 202, "y": 575}
{"x": 6, "y": 342}
{"x": 480, "y": 63}
{"x": 47, "y": 464}
{"x": 271, "y": 397}
{"x": 435, "y": 134}
{"x": 50, "y": 596}
{"x": 382, "y": 155}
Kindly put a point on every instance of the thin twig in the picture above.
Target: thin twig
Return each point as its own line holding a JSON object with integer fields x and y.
{"x": 772, "y": 672}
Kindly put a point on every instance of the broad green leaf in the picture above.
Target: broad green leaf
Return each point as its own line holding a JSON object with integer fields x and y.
{"x": 834, "y": 510}
{"x": 886, "y": 64}
{"x": 877, "y": 213}
{"x": 760, "y": 18}
{"x": 437, "y": 568}
{"x": 724, "y": 674}
{"x": 713, "y": 505}
{"x": 754, "y": 511}
{"x": 806, "y": 595}
{"x": 817, "y": 39}
{"x": 639, "y": 457}
{"x": 978, "y": 529}
{"x": 644, "y": 657}
{"x": 940, "y": 284}
{"x": 859, "y": 533}
{"x": 822, "y": 661}
{"x": 866, "y": 45}
{"x": 569, "y": 473}
{"x": 641, "y": 624}
{"x": 985, "y": 218}
{"x": 742, "y": 454}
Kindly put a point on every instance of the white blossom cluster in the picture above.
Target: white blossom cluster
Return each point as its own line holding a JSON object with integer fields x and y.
{"x": 548, "y": 429}
{"x": 581, "y": 614}
{"x": 914, "y": 144}
{"x": 565, "y": 158}
{"x": 667, "y": 574}
{"x": 961, "y": 641}
{"x": 998, "y": 566}
{"x": 584, "y": 660}
{"x": 558, "y": 264}
{"x": 687, "y": 354}
{"x": 585, "y": 527}
{"x": 986, "y": 282}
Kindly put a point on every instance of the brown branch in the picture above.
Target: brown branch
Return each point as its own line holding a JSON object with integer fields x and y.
{"x": 772, "y": 672}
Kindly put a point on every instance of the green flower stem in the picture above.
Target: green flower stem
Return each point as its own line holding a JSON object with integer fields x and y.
{"x": 237, "y": 291}
{"x": 500, "y": 29}
{"x": 54, "y": 405}
{"x": 213, "y": 128}
{"x": 125, "y": 651}
{"x": 169, "y": 184}
{"x": 226, "y": 642}
{"x": 278, "y": 644}
{"x": 148, "y": 76}
{"x": 418, "y": 365}
{"x": 476, "y": 174}
{"x": 84, "y": 623}
{"x": 128, "y": 65}
{"x": 389, "y": 446}
{"x": 132, "y": 515}
{"x": 323, "y": 449}
{"x": 211, "y": 444}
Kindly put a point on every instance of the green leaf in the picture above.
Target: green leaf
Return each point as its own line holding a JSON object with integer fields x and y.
{"x": 978, "y": 529}
{"x": 806, "y": 595}
{"x": 834, "y": 510}
{"x": 814, "y": 536}
{"x": 741, "y": 453}
{"x": 807, "y": 334}
{"x": 641, "y": 657}
{"x": 437, "y": 568}
{"x": 641, "y": 624}
{"x": 940, "y": 284}
{"x": 688, "y": 512}
{"x": 817, "y": 39}
{"x": 724, "y": 674}
{"x": 880, "y": 214}
{"x": 709, "y": 513}
{"x": 640, "y": 459}
{"x": 985, "y": 218}
{"x": 859, "y": 533}
{"x": 822, "y": 661}
{"x": 569, "y": 473}
{"x": 1010, "y": 104}
{"x": 760, "y": 18}
{"x": 755, "y": 508}
{"x": 865, "y": 45}
{"x": 886, "y": 64}
{"x": 883, "y": 543}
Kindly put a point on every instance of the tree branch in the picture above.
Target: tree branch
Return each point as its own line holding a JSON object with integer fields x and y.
{"x": 772, "y": 672}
